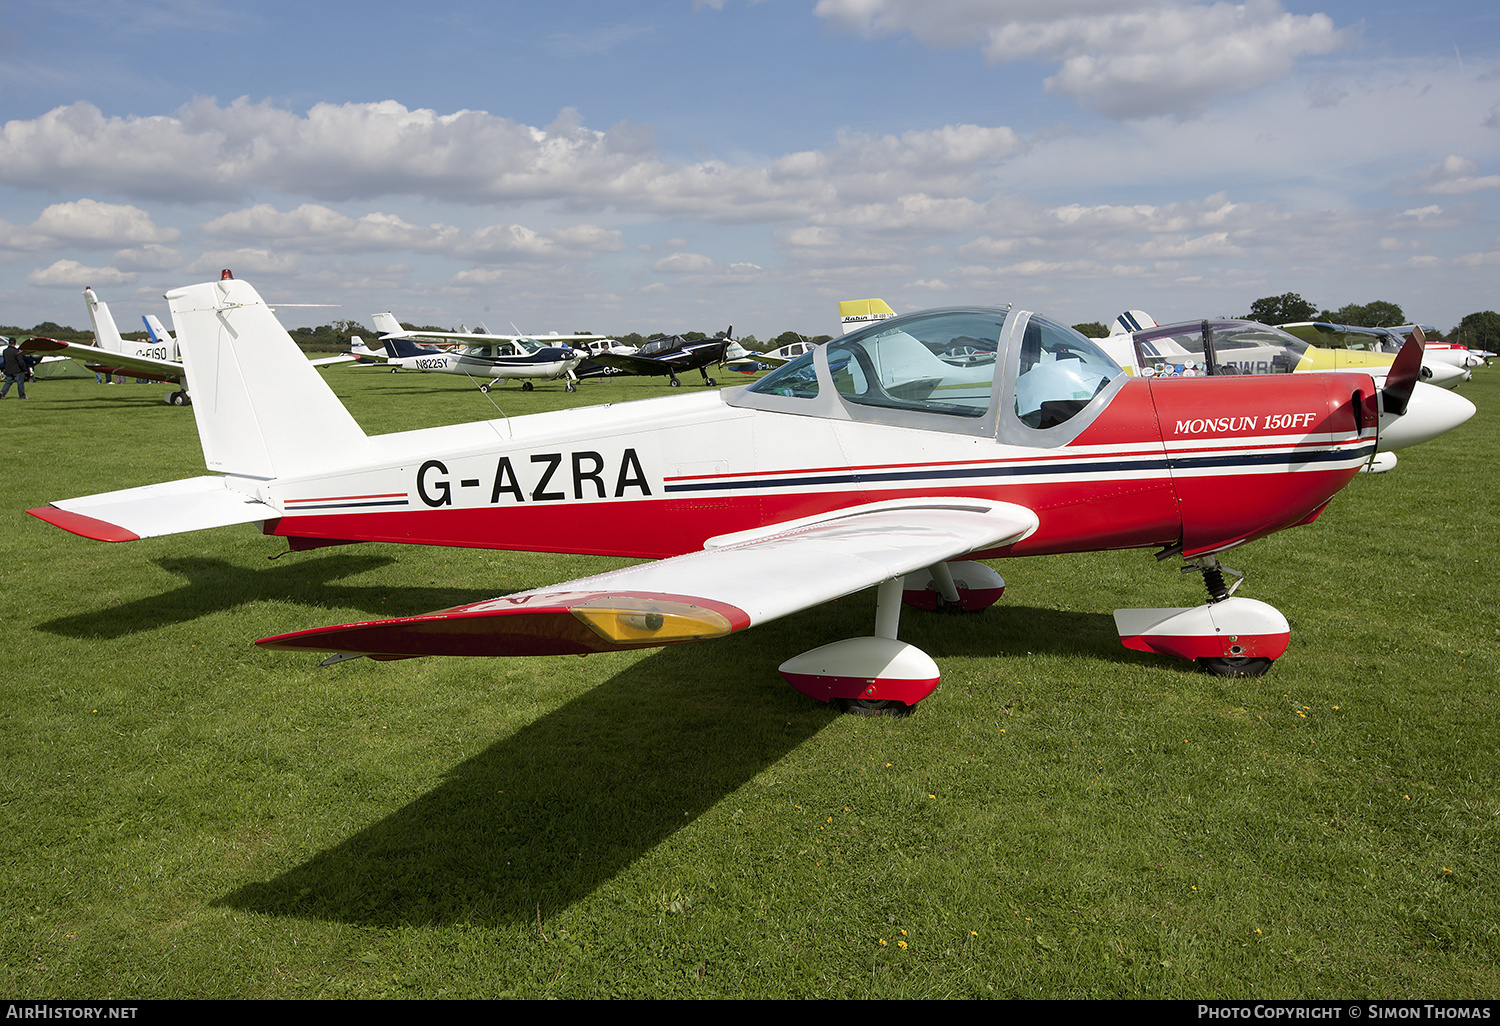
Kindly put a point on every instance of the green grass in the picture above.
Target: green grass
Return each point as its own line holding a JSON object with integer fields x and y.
{"x": 185, "y": 815}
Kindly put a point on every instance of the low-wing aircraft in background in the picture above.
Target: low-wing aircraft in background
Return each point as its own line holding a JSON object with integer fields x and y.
{"x": 1441, "y": 364}
{"x": 871, "y": 461}
{"x": 1475, "y": 357}
{"x": 155, "y": 359}
{"x": 670, "y": 355}
{"x": 1223, "y": 346}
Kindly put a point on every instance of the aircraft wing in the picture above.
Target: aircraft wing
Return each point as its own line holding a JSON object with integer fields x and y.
{"x": 633, "y": 364}
{"x": 735, "y": 582}
{"x": 770, "y": 359}
{"x": 100, "y": 357}
{"x": 477, "y": 336}
{"x": 328, "y": 361}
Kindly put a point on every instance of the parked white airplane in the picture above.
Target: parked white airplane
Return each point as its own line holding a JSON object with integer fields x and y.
{"x": 479, "y": 354}
{"x": 112, "y": 354}
{"x": 872, "y": 458}
{"x": 155, "y": 359}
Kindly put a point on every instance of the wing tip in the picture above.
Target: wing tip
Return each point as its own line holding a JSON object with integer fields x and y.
{"x": 87, "y": 527}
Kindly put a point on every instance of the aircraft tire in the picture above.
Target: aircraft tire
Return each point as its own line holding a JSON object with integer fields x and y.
{"x": 710, "y": 382}
{"x": 675, "y": 383}
{"x": 874, "y": 707}
{"x": 570, "y": 387}
{"x": 1241, "y": 666}
{"x": 484, "y": 388}
{"x": 527, "y": 386}
{"x": 176, "y": 399}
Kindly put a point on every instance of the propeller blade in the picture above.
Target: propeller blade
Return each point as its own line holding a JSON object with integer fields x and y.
{"x": 1404, "y": 372}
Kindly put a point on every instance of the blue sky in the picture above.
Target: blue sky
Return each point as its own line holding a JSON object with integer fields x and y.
{"x": 671, "y": 164}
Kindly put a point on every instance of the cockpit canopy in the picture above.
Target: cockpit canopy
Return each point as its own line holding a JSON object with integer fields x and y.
{"x": 949, "y": 370}
{"x": 1191, "y": 348}
{"x": 1347, "y": 336}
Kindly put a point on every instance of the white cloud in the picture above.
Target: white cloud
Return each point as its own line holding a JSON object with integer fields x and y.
{"x": 151, "y": 257}
{"x": 71, "y": 274}
{"x": 87, "y": 223}
{"x": 315, "y": 228}
{"x": 1454, "y": 176}
{"x": 365, "y": 150}
{"x": 684, "y": 263}
{"x": 1125, "y": 59}
{"x": 246, "y": 262}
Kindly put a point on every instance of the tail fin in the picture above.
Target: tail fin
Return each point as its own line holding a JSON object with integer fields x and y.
{"x": 399, "y": 347}
{"x": 262, "y": 409}
{"x": 159, "y": 334}
{"x": 1132, "y": 321}
{"x": 358, "y": 348}
{"x": 856, "y": 313}
{"x": 106, "y": 335}
{"x": 386, "y": 324}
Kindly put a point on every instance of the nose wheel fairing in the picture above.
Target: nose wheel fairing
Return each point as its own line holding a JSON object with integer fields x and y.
{"x": 1235, "y": 628}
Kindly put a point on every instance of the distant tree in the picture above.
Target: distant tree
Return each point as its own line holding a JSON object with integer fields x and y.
{"x": 1282, "y": 309}
{"x": 1378, "y": 314}
{"x": 1093, "y": 329}
{"x": 1479, "y": 331}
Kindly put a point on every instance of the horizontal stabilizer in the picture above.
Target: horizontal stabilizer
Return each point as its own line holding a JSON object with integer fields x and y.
{"x": 194, "y": 504}
{"x": 740, "y": 581}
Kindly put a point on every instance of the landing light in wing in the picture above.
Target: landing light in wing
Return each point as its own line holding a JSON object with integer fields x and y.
{"x": 627, "y": 618}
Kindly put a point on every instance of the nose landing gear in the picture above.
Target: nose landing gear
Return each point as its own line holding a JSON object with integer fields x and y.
{"x": 1227, "y": 636}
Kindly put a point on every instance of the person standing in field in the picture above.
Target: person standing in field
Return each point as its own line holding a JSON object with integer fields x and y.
{"x": 15, "y": 369}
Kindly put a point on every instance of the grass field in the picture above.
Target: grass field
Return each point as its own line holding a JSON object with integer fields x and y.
{"x": 185, "y": 815}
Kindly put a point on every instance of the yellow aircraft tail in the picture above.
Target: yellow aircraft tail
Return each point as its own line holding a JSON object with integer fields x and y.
{"x": 856, "y": 313}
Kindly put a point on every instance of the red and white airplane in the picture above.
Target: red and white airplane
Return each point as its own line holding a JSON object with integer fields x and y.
{"x": 878, "y": 458}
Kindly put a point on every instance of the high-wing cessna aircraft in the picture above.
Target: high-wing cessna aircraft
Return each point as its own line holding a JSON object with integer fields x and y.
{"x": 481, "y": 354}
{"x": 874, "y": 460}
{"x": 494, "y": 359}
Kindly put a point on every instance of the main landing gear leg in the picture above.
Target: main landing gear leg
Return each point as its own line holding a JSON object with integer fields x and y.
{"x": 871, "y": 676}
{"x": 959, "y": 587}
{"x": 1228, "y": 636}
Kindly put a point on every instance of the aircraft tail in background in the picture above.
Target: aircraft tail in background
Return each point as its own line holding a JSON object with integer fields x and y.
{"x": 856, "y": 313}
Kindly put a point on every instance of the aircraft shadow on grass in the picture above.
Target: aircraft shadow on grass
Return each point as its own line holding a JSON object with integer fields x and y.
{"x": 214, "y": 585}
{"x": 542, "y": 818}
